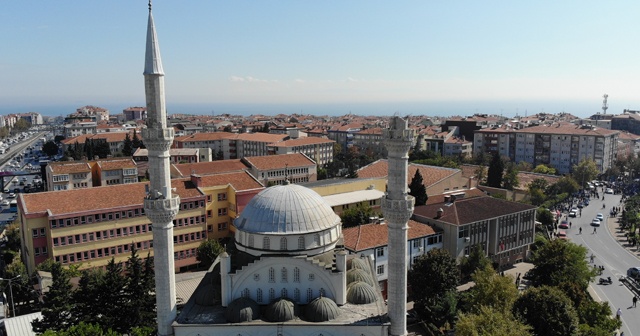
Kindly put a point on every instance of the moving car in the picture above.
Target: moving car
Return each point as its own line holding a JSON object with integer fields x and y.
{"x": 595, "y": 222}
{"x": 5, "y": 203}
{"x": 608, "y": 191}
{"x": 562, "y": 235}
{"x": 573, "y": 213}
{"x": 633, "y": 272}
{"x": 564, "y": 224}
{"x": 600, "y": 217}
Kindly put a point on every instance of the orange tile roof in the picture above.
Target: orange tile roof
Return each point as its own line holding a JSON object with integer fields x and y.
{"x": 238, "y": 180}
{"x": 260, "y": 137}
{"x": 212, "y": 167}
{"x": 567, "y": 128}
{"x": 69, "y": 167}
{"x": 96, "y": 198}
{"x": 470, "y": 210}
{"x": 211, "y": 136}
{"x": 109, "y": 136}
{"x": 303, "y": 142}
{"x": 279, "y": 161}
{"x": 116, "y": 164}
{"x": 368, "y": 236}
{"x": 430, "y": 174}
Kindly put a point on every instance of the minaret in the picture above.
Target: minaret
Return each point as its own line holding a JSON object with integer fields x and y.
{"x": 160, "y": 206}
{"x": 397, "y": 207}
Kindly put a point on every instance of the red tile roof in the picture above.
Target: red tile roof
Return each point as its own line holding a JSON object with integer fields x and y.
{"x": 69, "y": 167}
{"x": 212, "y": 167}
{"x": 238, "y": 180}
{"x": 368, "y": 236}
{"x": 203, "y": 137}
{"x": 303, "y": 142}
{"x": 430, "y": 174}
{"x": 116, "y": 164}
{"x": 279, "y": 161}
{"x": 470, "y": 210}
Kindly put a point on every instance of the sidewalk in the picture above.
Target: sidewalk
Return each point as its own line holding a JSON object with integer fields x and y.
{"x": 612, "y": 226}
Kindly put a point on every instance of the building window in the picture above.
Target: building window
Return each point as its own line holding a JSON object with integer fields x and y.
{"x": 222, "y": 212}
{"x": 284, "y": 294}
{"x": 34, "y": 233}
{"x": 380, "y": 252}
{"x": 266, "y": 243}
{"x": 296, "y": 295}
{"x": 316, "y": 239}
{"x": 296, "y": 274}
{"x": 309, "y": 295}
{"x": 222, "y": 196}
{"x": 417, "y": 243}
{"x": 272, "y": 294}
{"x": 246, "y": 293}
{"x": 222, "y": 226}
{"x": 380, "y": 269}
{"x": 283, "y": 243}
{"x": 284, "y": 275}
{"x": 259, "y": 295}
{"x": 272, "y": 275}
{"x": 250, "y": 240}
{"x": 301, "y": 243}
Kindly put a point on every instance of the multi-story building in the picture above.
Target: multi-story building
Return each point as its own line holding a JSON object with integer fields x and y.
{"x": 213, "y": 141}
{"x": 564, "y": 145}
{"x": 500, "y": 140}
{"x": 177, "y": 155}
{"x": 371, "y": 240}
{"x": 80, "y": 128}
{"x": 628, "y": 144}
{"x": 115, "y": 140}
{"x": 101, "y": 114}
{"x": 276, "y": 169}
{"x": 318, "y": 149}
{"x": 251, "y": 144}
{"x": 344, "y": 134}
{"x": 114, "y": 171}
{"x": 135, "y": 113}
{"x": 503, "y": 229}
{"x": 455, "y": 146}
{"x": 370, "y": 141}
{"x": 68, "y": 175}
{"x": 33, "y": 118}
{"x": 205, "y": 168}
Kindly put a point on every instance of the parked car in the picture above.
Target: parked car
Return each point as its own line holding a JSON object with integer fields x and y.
{"x": 595, "y": 222}
{"x": 600, "y": 217}
{"x": 608, "y": 191}
{"x": 562, "y": 235}
{"x": 5, "y": 203}
{"x": 633, "y": 272}
{"x": 573, "y": 213}
{"x": 564, "y": 224}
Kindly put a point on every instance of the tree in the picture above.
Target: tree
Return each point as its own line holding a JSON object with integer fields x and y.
{"x": 20, "y": 291}
{"x": 544, "y": 216}
{"x": 491, "y": 290}
{"x": 50, "y": 148}
{"x": 100, "y": 148}
{"x": 220, "y": 155}
{"x": 558, "y": 261}
{"x": 477, "y": 260}
{"x": 89, "y": 297}
{"x": 357, "y": 215}
{"x": 481, "y": 174}
{"x": 548, "y": 311}
{"x": 58, "y": 138}
{"x": 510, "y": 178}
{"x": 433, "y": 280}
{"x": 82, "y": 329}
{"x": 228, "y": 128}
{"x": 138, "y": 295}
{"x": 208, "y": 251}
{"x": 136, "y": 142}
{"x": 56, "y": 314}
{"x": 21, "y": 125}
{"x": 490, "y": 322}
{"x": 595, "y": 318}
{"x": 496, "y": 169}
{"x": 265, "y": 128}
{"x": 542, "y": 169}
{"x": 127, "y": 148}
{"x": 417, "y": 189}
{"x": 585, "y": 171}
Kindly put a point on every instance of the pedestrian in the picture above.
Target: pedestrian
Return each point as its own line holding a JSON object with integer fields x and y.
{"x": 619, "y": 313}
{"x": 622, "y": 333}
{"x": 635, "y": 300}
{"x": 580, "y": 230}
{"x": 570, "y": 224}
{"x": 594, "y": 230}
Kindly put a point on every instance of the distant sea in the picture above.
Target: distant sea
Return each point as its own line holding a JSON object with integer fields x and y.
{"x": 431, "y": 108}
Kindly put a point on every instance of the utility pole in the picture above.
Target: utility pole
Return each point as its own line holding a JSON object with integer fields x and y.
{"x": 13, "y": 303}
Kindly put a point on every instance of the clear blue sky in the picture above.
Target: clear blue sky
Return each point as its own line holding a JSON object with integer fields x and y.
{"x": 325, "y": 57}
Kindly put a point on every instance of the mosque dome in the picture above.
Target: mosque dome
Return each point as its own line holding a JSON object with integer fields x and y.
{"x": 281, "y": 310}
{"x": 360, "y": 293}
{"x": 287, "y": 219}
{"x": 242, "y": 309}
{"x": 357, "y": 274}
{"x": 357, "y": 263}
{"x": 321, "y": 309}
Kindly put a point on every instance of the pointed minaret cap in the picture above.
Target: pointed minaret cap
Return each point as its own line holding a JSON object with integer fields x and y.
{"x": 152, "y": 61}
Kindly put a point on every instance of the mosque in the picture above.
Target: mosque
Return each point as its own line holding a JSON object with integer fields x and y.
{"x": 287, "y": 272}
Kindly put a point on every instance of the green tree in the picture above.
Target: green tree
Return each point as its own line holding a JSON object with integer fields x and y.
{"x": 510, "y": 178}
{"x": 127, "y": 148}
{"x": 322, "y": 173}
{"x": 477, "y": 260}
{"x": 542, "y": 169}
{"x": 136, "y": 142}
{"x": 595, "y": 318}
{"x": 88, "y": 297}
{"x": 566, "y": 184}
{"x": 433, "y": 280}
{"x": 491, "y": 290}
{"x": 558, "y": 261}
{"x": 208, "y": 251}
{"x": 584, "y": 171}
{"x": 20, "y": 291}
{"x": 490, "y": 322}
{"x": 357, "y": 215}
{"x": 12, "y": 232}
{"x": 50, "y": 148}
{"x": 481, "y": 174}
{"x": 544, "y": 216}
{"x": 100, "y": 148}
{"x": 139, "y": 300}
{"x": 82, "y": 329}
{"x": 21, "y": 125}
{"x": 58, "y": 138}
{"x": 56, "y": 314}
{"x": 417, "y": 189}
{"x": 548, "y": 311}
{"x": 496, "y": 169}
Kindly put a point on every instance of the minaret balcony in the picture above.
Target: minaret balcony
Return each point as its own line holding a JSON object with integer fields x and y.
{"x": 158, "y": 139}
{"x": 161, "y": 210}
{"x": 397, "y": 211}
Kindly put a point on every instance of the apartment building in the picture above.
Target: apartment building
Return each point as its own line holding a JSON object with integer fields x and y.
{"x": 114, "y": 171}
{"x": 114, "y": 139}
{"x": 503, "y": 229}
{"x": 68, "y": 175}
{"x": 80, "y": 128}
{"x": 370, "y": 141}
{"x": 344, "y": 134}
{"x": 276, "y": 169}
{"x": 135, "y": 113}
{"x": 251, "y": 144}
{"x": 207, "y": 168}
{"x": 455, "y": 146}
{"x": 371, "y": 240}
{"x": 177, "y": 155}
{"x": 500, "y": 140}
{"x": 213, "y": 141}
{"x": 318, "y": 149}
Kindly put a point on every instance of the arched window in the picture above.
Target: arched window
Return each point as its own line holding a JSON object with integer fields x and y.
{"x": 284, "y": 275}
{"x": 266, "y": 243}
{"x": 296, "y": 295}
{"x": 309, "y": 295}
{"x": 241, "y": 237}
{"x": 301, "y": 243}
{"x": 284, "y": 294}
{"x": 259, "y": 295}
{"x": 283, "y": 243}
{"x": 272, "y": 275}
{"x": 250, "y": 240}
{"x": 246, "y": 293}
{"x": 272, "y": 294}
{"x": 296, "y": 274}
{"x": 316, "y": 239}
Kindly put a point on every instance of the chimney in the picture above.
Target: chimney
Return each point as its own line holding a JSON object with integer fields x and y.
{"x": 447, "y": 199}
{"x": 196, "y": 180}
{"x": 439, "y": 214}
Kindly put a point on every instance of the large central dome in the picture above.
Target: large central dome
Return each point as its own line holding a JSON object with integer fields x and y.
{"x": 287, "y": 209}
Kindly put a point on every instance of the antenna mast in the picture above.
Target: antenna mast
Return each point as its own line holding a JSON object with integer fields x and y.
{"x": 604, "y": 104}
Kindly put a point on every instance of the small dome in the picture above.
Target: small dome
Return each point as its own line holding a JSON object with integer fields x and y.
{"x": 361, "y": 293}
{"x": 321, "y": 309}
{"x": 358, "y": 263}
{"x": 242, "y": 310}
{"x": 287, "y": 209}
{"x": 357, "y": 274}
{"x": 281, "y": 311}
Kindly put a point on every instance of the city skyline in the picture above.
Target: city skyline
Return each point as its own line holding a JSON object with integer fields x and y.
{"x": 369, "y": 58}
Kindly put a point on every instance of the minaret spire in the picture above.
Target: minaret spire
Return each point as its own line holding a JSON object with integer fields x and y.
{"x": 397, "y": 207}
{"x": 160, "y": 205}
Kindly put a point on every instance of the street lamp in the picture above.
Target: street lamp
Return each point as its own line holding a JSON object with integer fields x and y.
{"x": 13, "y": 304}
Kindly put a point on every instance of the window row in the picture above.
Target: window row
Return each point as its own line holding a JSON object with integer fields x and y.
{"x": 101, "y": 252}
{"x": 282, "y": 293}
{"x": 178, "y": 222}
{"x": 40, "y": 232}
{"x": 187, "y": 237}
{"x": 40, "y": 251}
{"x": 101, "y": 235}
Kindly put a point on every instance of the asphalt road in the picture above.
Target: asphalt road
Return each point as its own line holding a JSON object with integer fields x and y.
{"x": 608, "y": 253}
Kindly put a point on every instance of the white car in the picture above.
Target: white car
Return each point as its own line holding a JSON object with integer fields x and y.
{"x": 600, "y": 217}
{"x": 608, "y": 191}
{"x": 595, "y": 222}
{"x": 11, "y": 195}
{"x": 5, "y": 203}
{"x": 573, "y": 213}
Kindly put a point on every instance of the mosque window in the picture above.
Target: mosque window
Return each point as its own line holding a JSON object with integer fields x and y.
{"x": 256, "y": 277}
{"x": 259, "y": 295}
{"x": 296, "y": 295}
{"x": 272, "y": 294}
{"x": 246, "y": 293}
{"x": 284, "y": 274}
{"x": 284, "y": 294}
{"x": 266, "y": 243}
{"x": 316, "y": 239}
{"x": 250, "y": 240}
{"x": 283, "y": 243}
{"x": 272, "y": 275}
{"x": 309, "y": 294}
{"x": 312, "y": 276}
{"x": 300, "y": 242}
{"x": 296, "y": 274}
{"x": 322, "y": 293}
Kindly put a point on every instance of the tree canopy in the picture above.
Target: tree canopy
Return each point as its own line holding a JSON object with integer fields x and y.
{"x": 557, "y": 261}
{"x": 417, "y": 189}
{"x": 496, "y": 169}
{"x": 547, "y": 310}
{"x": 50, "y": 148}
{"x": 208, "y": 251}
{"x": 585, "y": 171}
{"x": 490, "y": 322}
